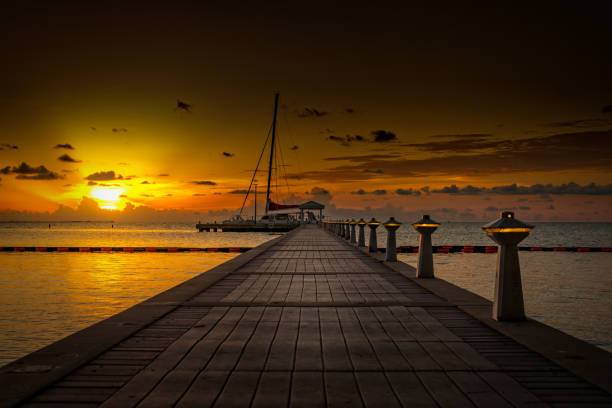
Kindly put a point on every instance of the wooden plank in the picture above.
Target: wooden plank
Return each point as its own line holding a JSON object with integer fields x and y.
{"x": 307, "y": 390}
{"x": 239, "y": 390}
{"x": 375, "y": 390}
{"x": 273, "y": 390}
{"x": 341, "y": 390}
{"x": 409, "y": 390}
{"x": 477, "y": 390}
{"x": 510, "y": 389}
{"x": 204, "y": 390}
{"x": 443, "y": 390}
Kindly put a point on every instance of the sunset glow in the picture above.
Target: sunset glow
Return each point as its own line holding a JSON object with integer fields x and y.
{"x": 375, "y": 113}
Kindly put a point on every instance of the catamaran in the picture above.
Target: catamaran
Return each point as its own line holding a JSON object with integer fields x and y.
{"x": 269, "y": 222}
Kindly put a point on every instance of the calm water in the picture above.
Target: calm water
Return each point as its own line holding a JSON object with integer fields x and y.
{"x": 46, "y": 296}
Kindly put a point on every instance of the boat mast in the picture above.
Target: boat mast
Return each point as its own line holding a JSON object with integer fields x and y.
{"x": 271, "y": 152}
{"x": 255, "y": 216}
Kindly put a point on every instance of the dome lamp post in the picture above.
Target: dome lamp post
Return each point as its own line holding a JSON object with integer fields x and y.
{"x": 507, "y": 232}
{"x": 391, "y": 225}
{"x": 425, "y": 226}
{"x": 361, "y": 241}
{"x": 373, "y": 224}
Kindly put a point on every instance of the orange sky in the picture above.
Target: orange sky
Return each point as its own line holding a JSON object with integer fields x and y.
{"x": 389, "y": 108}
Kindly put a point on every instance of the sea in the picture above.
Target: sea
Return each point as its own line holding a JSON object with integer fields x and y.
{"x": 47, "y": 296}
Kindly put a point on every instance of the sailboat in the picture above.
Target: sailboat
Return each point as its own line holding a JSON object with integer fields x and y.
{"x": 269, "y": 222}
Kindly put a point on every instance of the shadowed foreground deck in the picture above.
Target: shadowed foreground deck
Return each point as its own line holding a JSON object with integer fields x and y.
{"x": 310, "y": 321}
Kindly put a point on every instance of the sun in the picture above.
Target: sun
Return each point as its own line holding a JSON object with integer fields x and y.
{"x": 107, "y": 197}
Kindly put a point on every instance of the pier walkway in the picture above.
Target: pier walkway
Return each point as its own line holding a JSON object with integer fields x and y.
{"x": 310, "y": 321}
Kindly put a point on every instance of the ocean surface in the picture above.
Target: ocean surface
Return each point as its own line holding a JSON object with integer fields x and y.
{"x": 47, "y": 296}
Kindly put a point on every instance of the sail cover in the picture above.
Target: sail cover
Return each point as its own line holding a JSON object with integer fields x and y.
{"x": 272, "y": 206}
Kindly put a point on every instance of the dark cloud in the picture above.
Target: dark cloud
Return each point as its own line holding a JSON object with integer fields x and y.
{"x": 163, "y": 175}
{"x": 580, "y": 123}
{"x": 319, "y": 191}
{"x": 93, "y": 128}
{"x": 349, "y": 110}
{"x": 550, "y": 207}
{"x": 408, "y": 191}
{"x": 63, "y": 146}
{"x": 147, "y": 195}
{"x": 42, "y": 176}
{"x": 67, "y": 171}
{"x": 295, "y": 147}
{"x": 123, "y": 164}
{"x": 67, "y": 158}
{"x": 26, "y": 172}
{"x": 589, "y": 150}
{"x": 184, "y": 106}
{"x": 524, "y": 208}
{"x": 123, "y": 196}
{"x": 147, "y": 182}
{"x": 205, "y": 182}
{"x": 198, "y": 195}
{"x": 311, "y": 113}
{"x": 375, "y": 192}
{"x": 539, "y": 189}
{"x": 104, "y": 176}
{"x": 377, "y": 171}
{"x": 607, "y": 109}
{"x": 327, "y": 131}
{"x": 491, "y": 208}
{"x": 381, "y": 136}
{"x": 463, "y": 136}
{"x": 92, "y": 183}
{"x": 8, "y": 146}
{"x": 226, "y": 154}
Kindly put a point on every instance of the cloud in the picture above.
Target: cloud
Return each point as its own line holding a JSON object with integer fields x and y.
{"x": 205, "y": 183}
{"x": 349, "y": 110}
{"x": 606, "y": 109}
{"x": 147, "y": 195}
{"x": 26, "y": 172}
{"x": 524, "y": 208}
{"x": 64, "y": 146}
{"x": 226, "y": 154}
{"x": 462, "y": 136}
{"x": 92, "y": 183}
{"x": 147, "y": 182}
{"x": 377, "y": 171}
{"x": 119, "y": 130}
{"x": 244, "y": 191}
{"x": 67, "y": 158}
{"x": 295, "y": 147}
{"x": 580, "y": 123}
{"x": 311, "y": 113}
{"x": 163, "y": 175}
{"x": 104, "y": 176}
{"x": 382, "y": 136}
{"x": 8, "y": 146}
{"x": 123, "y": 196}
{"x": 93, "y": 128}
{"x": 408, "y": 191}
{"x": 319, "y": 191}
{"x": 123, "y": 164}
{"x": 491, "y": 208}
{"x": 346, "y": 140}
{"x": 589, "y": 150}
{"x": 184, "y": 106}
{"x": 198, "y": 195}
{"x": 375, "y": 192}
{"x": 458, "y": 143}
{"x": 535, "y": 189}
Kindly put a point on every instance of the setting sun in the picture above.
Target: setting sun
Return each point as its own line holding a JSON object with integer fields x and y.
{"x": 108, "y": 197}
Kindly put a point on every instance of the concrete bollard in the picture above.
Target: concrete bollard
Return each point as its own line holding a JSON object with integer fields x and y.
{"x": 391, "y": 225}
{"x": 373, "y": 224}
{"x": 425, "y": 226}
{"x": 361, "y": 241}
{"x": 353, "y": 239}
{"x": 508, "y": 301}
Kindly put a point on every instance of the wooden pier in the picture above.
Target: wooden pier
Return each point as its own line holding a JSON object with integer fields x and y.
{"x": 307, "y": 320}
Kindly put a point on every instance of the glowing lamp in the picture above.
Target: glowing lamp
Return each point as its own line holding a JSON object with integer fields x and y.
{"x": 391, "y": 225}
{"x": 361, "y": 240}
{"x": 507, "y": 231}
{"x": 353, "y": 223}
{"x": 373, "y": 224}
{"x": 425, "y": 226}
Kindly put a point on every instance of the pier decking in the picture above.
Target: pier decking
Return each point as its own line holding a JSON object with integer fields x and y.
{"x": 310, "y": 321}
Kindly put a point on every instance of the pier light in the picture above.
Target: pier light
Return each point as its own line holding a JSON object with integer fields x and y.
{"x": 373, "y": 224}
{"x": 361, "y": 241}
{"x": 347, "y": 229}
{"x": 391, "y": 225}
{"x": 425, "y": 226}
{"x": 353, "y": 224}
{"x": 507, "y": 232}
